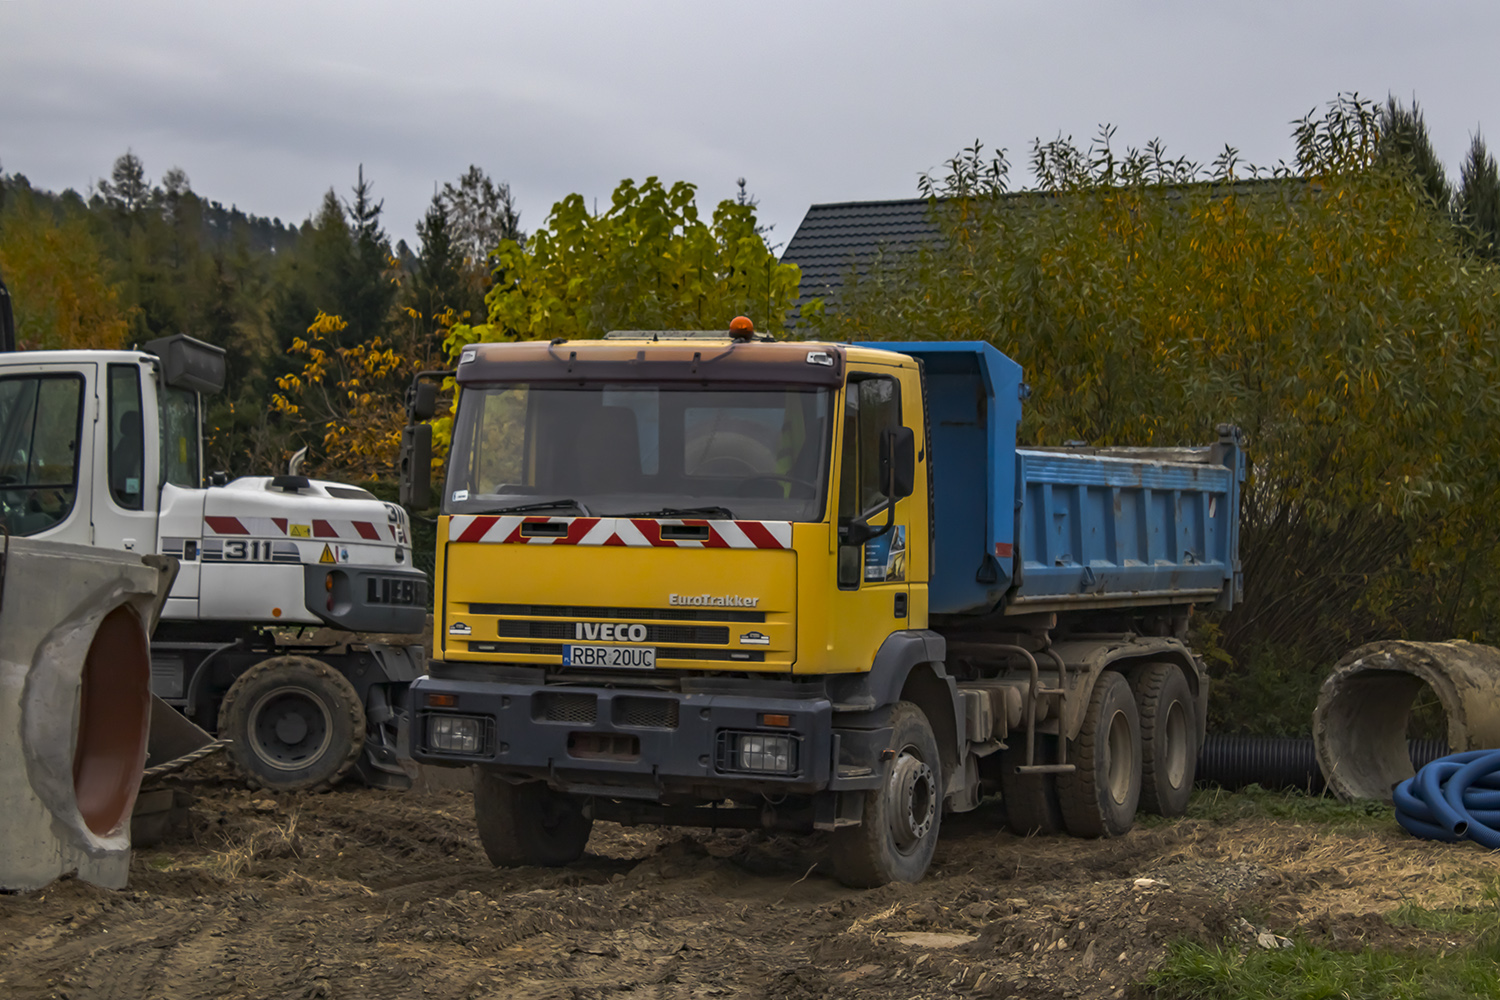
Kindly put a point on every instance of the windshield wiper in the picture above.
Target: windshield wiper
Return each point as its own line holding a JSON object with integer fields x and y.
{"x": 523, "y": 508}
{"x": 723, "y": 512}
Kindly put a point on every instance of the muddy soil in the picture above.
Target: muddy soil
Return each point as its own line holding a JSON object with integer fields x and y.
{"x": 360, "y": 893}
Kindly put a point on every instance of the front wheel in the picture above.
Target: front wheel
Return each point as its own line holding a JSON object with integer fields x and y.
{"x": 529, "y": 823}
{"x": 1100, "y": 798}
{"x": 294, "y": 724}
{"x": 895, "y": 841}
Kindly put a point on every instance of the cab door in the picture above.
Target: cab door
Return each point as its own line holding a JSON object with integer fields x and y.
{"x": 873, "y": 588}
{"x": 128, "y": 457}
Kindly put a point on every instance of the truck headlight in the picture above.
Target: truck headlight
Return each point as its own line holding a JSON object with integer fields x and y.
{"x": 760, "y": 753}
{"x": 455, "y": 734}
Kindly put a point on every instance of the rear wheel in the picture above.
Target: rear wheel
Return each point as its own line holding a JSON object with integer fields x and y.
{"x": 1030, "y": 800}
{"x": 295, "y": 724}
{"x": 1169, "y": 738}
{"x": 528, "y": 824}
{"x": 895, "y": 841}
{"x": 1100, "y": 798}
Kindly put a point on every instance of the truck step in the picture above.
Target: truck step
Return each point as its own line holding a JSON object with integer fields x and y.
{"x": 1046, "y": 769}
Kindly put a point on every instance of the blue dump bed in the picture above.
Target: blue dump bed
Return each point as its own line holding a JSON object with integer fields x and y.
{"x": 1058, "y": 529}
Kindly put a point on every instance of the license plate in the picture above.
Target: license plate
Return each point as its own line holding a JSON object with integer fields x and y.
{"x": 629, "y": 657}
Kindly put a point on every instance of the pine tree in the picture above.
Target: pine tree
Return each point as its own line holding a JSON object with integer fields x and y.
{"x": 128, "y": 189}
{"x": 1478, "y": 200}
{"x": 1404, "y": 138}
{"x": 438, "y": 282}
{"x": 367, "y": 294}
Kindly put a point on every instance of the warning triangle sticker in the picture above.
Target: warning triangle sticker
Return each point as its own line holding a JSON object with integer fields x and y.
{"x": 327, "y": 556}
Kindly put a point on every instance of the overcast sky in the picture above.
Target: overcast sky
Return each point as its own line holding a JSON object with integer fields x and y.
{"x": 267, "y": 105}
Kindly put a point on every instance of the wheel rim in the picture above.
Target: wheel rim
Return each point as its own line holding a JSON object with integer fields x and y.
{"x": 1119, "y": 764}
{"x": 913, "y": 794}
{"x": 289, "y": 728}
{"x": 1177, "y": 745}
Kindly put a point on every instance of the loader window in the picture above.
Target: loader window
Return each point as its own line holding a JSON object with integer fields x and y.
{"x": 179, "y": 438}
{"x": 39, "y": 437}
{"x": 127, "y": 443}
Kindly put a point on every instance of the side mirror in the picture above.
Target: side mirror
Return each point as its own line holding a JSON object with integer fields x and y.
{"x": 898, "y": 462}
{"x": 416, "y": 466}
{"x": 423, "y": 402}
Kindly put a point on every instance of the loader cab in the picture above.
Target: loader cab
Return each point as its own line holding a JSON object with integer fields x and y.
{"x": 95, "y": 445}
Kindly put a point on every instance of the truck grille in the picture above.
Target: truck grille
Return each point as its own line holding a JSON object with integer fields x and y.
{"x": 571, "y": 611}
{"x": 654, "y": 633}
{"x": 564, "y": 706}
{"x": 646, "y": 713}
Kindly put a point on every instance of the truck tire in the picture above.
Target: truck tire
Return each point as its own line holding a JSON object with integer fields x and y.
{"x": 1030, "y": 800}
{"x": 528, "y": 824}
{"x": 1100, "y": 798}
{"x": 295, "y": 724}
{"x": 895, "y": 841}
{"x": 1169, "y": 738}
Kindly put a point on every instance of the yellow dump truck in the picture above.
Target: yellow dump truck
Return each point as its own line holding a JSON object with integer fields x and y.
{"x": 708, "y": 579}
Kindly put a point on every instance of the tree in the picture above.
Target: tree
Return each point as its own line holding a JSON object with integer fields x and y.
{"x": 1478, "y": 199}
{"x": 1322, "y": 306}
{"x": 128, "y": 188}
{"x": 1404, "y": 140}
{"x": 648, "y": 262}
{"x": 368, "y": 291}
{"x": 55, "y": 270}
{"x": 483, "y": 214}
{"x": 346, "y": 400}
{"x": 436, "y": 295}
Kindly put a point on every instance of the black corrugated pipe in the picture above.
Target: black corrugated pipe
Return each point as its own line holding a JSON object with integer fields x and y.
{"x": 1281, "y": 762}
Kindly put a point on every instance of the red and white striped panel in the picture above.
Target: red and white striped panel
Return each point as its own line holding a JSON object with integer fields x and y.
{"x": 641, "y": 532}
{"x": 276, "y": 527}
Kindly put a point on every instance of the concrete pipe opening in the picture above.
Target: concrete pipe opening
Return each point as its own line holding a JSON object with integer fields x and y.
{"x": 114, "y": 719}
{"x": 1360, "y": 726}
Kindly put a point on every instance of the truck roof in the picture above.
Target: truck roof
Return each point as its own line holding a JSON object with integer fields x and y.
{"x": 671, "y": 358}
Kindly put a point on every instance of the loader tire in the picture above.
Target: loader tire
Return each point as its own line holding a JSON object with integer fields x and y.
{"x": 295, "y": 724}
{"x": 1169, "y": 738}
{"x": 528, "y": 824}
{"x": 1100, "y": 798}
{"x": 902, "y": 817}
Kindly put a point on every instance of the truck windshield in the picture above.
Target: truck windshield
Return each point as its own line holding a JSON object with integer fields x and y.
{"x": 752, "y": 453}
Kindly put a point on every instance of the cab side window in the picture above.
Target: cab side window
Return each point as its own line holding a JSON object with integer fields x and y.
{"x": 870, "y": 406}
{"x": 127, "y": 443}
{"x": 39, "y": 428}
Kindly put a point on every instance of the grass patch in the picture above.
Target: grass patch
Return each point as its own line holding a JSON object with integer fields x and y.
{"x": 1464, "y": 963}
{"x": 1254, "y": 802}
{"x": 1309, "y": 972}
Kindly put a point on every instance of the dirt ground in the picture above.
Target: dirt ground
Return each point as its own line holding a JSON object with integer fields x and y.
{"x": 367, "y": 894}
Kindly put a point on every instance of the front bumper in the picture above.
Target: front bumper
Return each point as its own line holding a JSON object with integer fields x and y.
{"x": 645, "y": 743}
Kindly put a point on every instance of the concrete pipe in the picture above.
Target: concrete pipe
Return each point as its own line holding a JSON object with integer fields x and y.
{"x": 1359, "y": 726}
{"x": 75, "y": 686}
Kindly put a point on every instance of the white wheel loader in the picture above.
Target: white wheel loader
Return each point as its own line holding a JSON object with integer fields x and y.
{"x": 104, "y": 448}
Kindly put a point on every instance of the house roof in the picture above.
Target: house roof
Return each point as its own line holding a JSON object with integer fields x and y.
{"x": 835, "y": 239}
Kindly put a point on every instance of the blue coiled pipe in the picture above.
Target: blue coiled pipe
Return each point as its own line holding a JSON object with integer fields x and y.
{"x": 1454, "y": 798}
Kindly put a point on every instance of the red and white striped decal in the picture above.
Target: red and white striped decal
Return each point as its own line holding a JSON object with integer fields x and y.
{"x": 636, "y": 532}
{"x": 276, "y": 527}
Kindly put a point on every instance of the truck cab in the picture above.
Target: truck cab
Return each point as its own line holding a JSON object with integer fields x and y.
{"x": 707, "y": 579}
